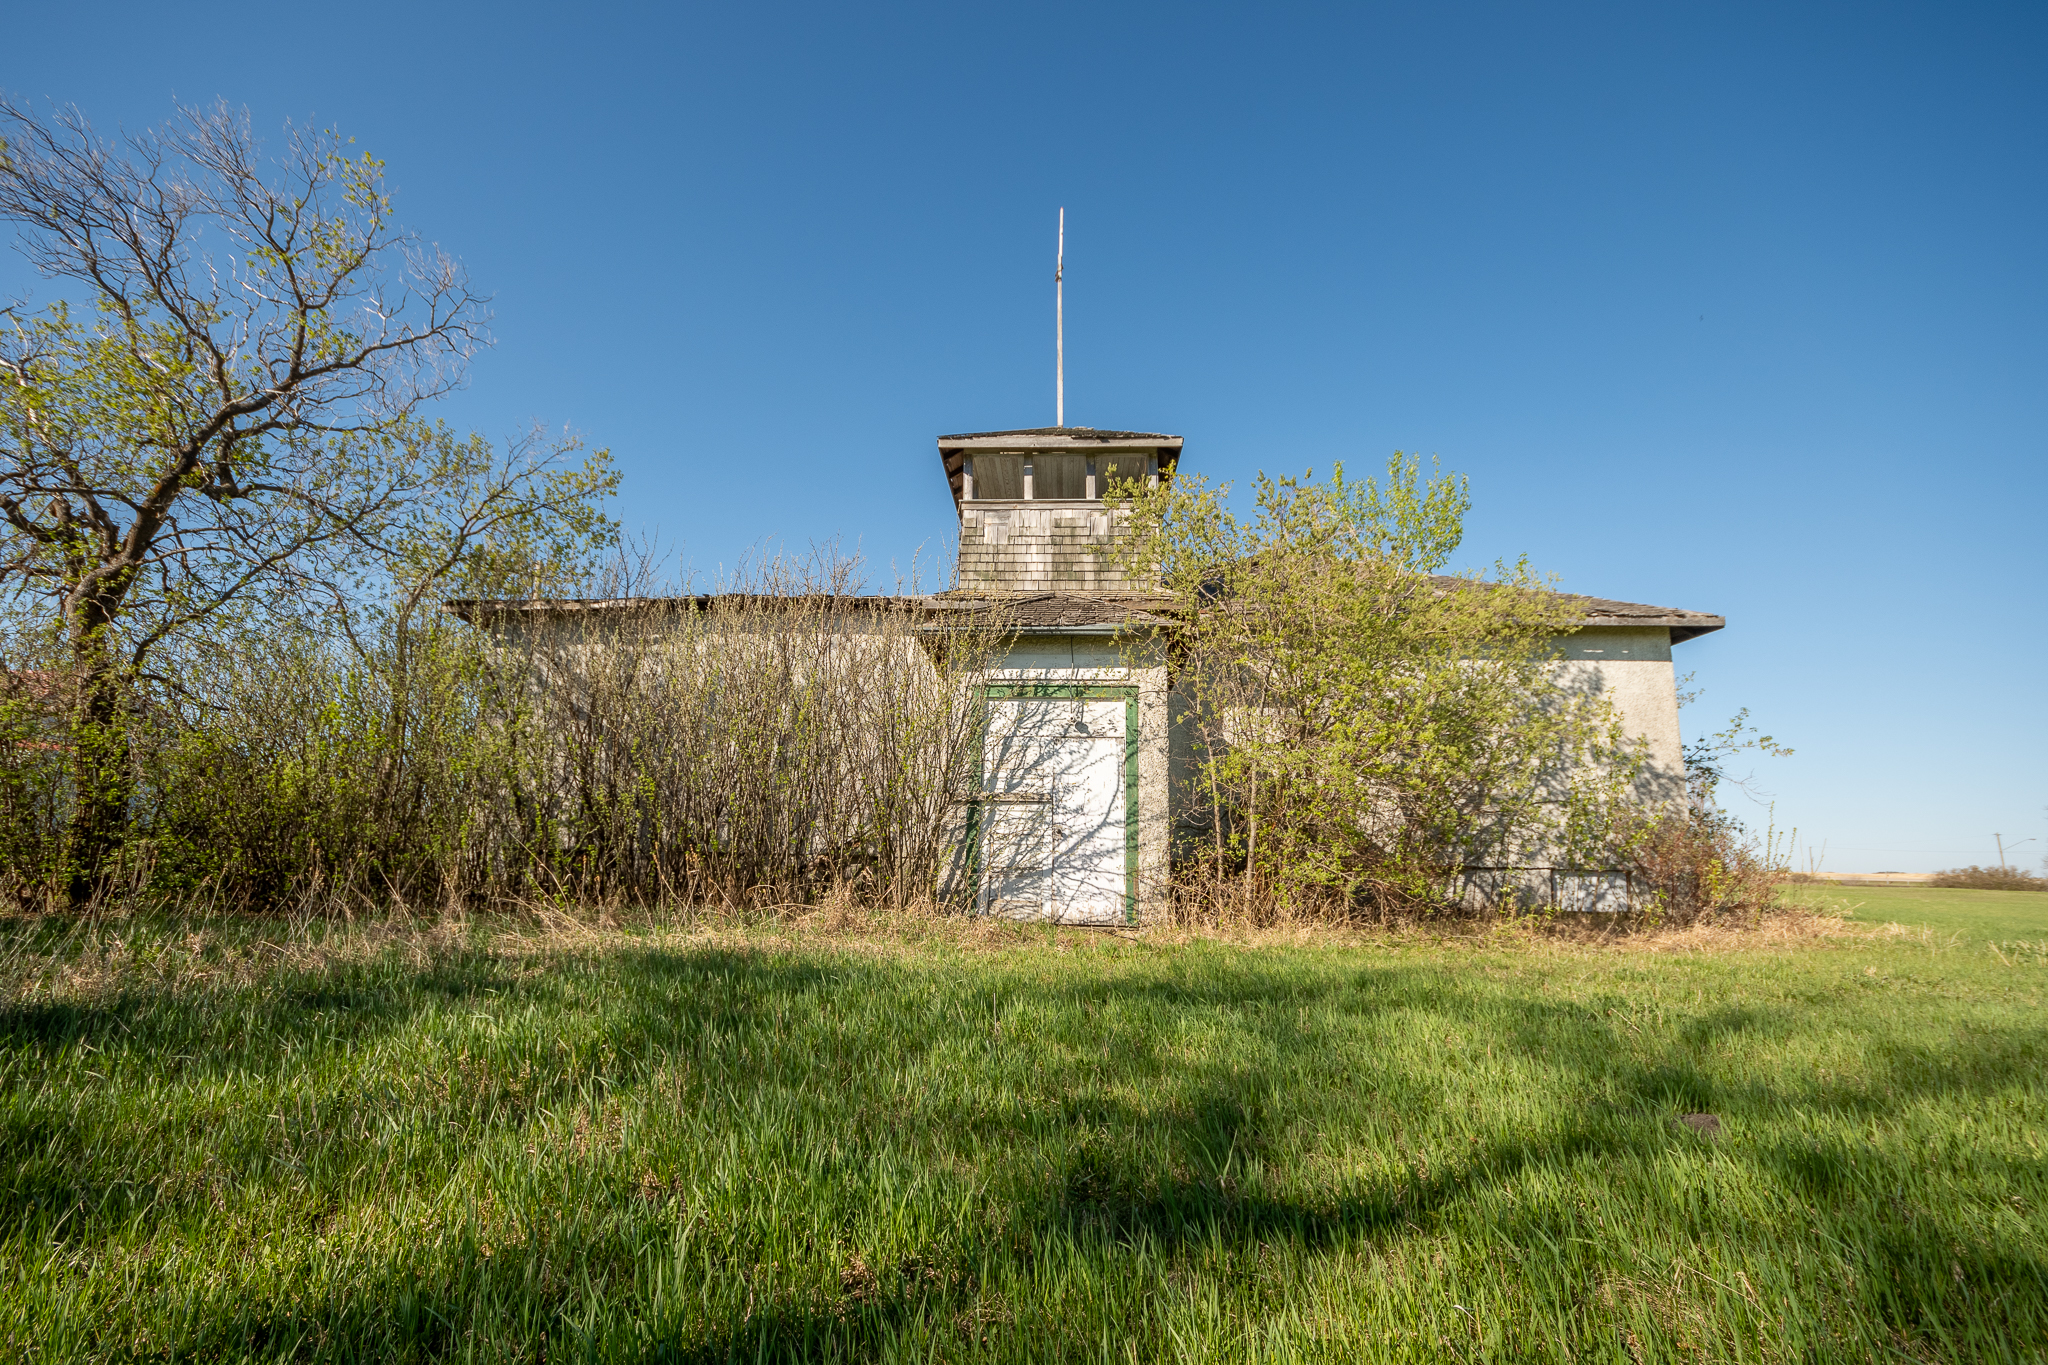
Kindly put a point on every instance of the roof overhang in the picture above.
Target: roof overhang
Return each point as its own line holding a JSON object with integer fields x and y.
{"x": 1131, "y": 627}
{"x": 954, "y": 450}
{"x": 1044, "y": 613}
{"x": 1683, "y": 625}
{"x": 1607, "y": 613}
{"x": 474, "y": 610}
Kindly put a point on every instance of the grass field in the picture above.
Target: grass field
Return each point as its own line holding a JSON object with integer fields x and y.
{"x": 936, "y": 1142}
{"x": 1981, "y": 915}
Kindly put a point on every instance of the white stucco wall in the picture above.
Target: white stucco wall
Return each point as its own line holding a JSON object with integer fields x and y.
{"x": 1631, "y": 667}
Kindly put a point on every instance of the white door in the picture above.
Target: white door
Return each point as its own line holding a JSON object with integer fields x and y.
{"x": 1053, "y": 814}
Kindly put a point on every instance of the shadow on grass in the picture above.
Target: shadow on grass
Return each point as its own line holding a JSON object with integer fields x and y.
{"x": 1909, "y": 1271}
{"x": 1171, "y": 1176}
{"x": 504, "y": 1310}
{"x": 183, "y": 1024}
{"x": 1910, "y": 1275}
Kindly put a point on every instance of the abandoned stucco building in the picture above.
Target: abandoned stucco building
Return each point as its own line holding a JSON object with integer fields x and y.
{"x": 1077, "y": 806}
{"x": 1080, "y": 792}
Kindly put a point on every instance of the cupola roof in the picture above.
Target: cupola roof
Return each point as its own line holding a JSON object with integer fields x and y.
{"x": 954, "y": 450}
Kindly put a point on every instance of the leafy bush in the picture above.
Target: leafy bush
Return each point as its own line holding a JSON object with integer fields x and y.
{"x": 1698, "y": 861}
{"x": 1991, "y": 879}
{"x": 34, "y": 758}
{"x": 747, "y": 748}
{"x": 1359, "y": 725}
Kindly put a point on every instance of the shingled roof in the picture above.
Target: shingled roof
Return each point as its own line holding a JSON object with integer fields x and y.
{"x": 1684, "y": 625}
{"x": 1078, "y": 435}
{"x": 1027, "y": 613}
{"x": 475, "y": 609}
{"x": 1050, "y": 611}
{"x": 1605, "y": 611}
{"x": 1045, "y": 612}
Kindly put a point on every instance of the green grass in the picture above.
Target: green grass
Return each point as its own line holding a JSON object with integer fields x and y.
{"x": 1987, "y": 915}
{"x": 940, "y": 1145}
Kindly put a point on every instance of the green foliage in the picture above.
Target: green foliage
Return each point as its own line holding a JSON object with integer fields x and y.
{"x": 1363, "y": 725}
{"x": 1986, "y": 916}
{"x": 775, "y": 746}
{"x": 354, "y": 744}
{"x": 1991, "y": 879}
{"x": 1694, "y": 857}
{"x": 1696, "y": 860}
{"x": 236, "y": 1141}
{"x": 310, "y": 777}
{"x": 228, "y": 446}
{"x": 33, "y": 776}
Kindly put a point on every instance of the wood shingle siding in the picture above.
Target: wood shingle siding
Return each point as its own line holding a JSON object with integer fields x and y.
{"x": 1039, "y": 549}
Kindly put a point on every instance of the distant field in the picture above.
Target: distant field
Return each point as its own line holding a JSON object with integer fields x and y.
{"x": 1996, "y": 915}
{"x": 222, "y": 1141}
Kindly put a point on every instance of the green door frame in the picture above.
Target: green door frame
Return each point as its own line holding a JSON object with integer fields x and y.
{"x": 1085, "y": 692}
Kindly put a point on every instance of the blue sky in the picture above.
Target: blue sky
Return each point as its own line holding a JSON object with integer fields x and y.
{"x": 1738, "y": 309}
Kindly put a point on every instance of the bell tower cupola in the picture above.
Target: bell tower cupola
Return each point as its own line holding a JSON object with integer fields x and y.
{"x": 1030, "y": 504}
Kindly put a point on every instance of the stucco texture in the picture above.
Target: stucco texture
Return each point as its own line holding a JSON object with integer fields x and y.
{"x": 1631, "y": 667}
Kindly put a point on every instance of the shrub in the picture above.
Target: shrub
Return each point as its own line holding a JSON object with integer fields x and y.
{"x": 1698, "y": 860}
{"x": 1358, "y": 726}
{"x": 1991, "y": 879}
{"x": 757, "y": 747}
{"x": 766, "y": 746}
{"x": 34, "y": 760}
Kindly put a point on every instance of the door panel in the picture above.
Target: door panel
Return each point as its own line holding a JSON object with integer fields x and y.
{"x": 1016, "y": 856}
{"x": 1088, "y": 817}
{"x": 1054, "y": 813}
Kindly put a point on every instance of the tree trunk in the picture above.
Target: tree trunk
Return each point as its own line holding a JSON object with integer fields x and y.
{"x": 102, "y": 777}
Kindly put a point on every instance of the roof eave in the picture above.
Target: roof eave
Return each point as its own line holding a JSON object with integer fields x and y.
{"x": 1079, "y": 438}
{"x": 1693, "y": 630}
{"x": 1109, "y": 628}
{"x": 954, "y": 450}
{"x": 1689, "y": 626}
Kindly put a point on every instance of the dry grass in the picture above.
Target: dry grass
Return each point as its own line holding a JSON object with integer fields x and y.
{"x": 52, "y": 956}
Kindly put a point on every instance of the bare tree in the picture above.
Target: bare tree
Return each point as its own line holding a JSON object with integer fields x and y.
{"x": 234, "y": 418}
